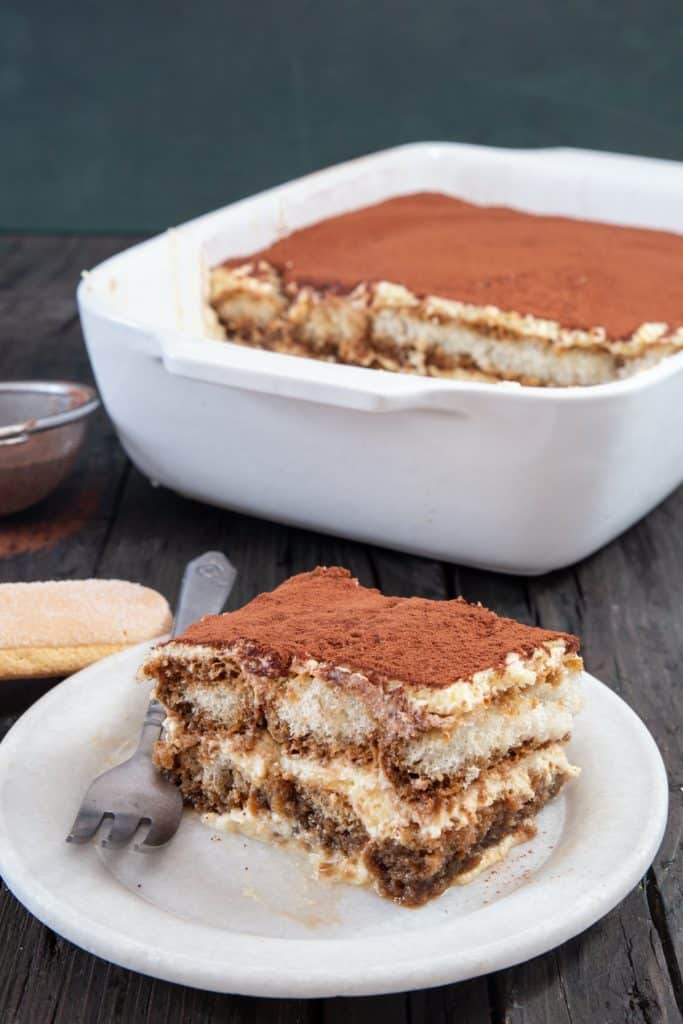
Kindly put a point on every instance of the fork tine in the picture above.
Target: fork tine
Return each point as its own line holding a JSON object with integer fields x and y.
{"x": 85, "y": 825}
{"x": 122, "y": 830}
{"x": 158, "y": 835}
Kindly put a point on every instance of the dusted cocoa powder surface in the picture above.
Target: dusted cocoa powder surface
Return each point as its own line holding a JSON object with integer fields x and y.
{"x": 327, "y": 615}
{"x": 55, "y": 519}
{"x": 582, "y": 274}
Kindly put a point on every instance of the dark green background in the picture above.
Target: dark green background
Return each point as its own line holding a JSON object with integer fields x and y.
{"x": 135, "y": 115}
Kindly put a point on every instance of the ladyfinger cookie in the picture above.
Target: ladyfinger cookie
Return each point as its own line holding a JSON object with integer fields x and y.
{"x": 58, "y": 627}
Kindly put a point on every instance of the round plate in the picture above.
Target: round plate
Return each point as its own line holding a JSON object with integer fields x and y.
{"x": 222, "y": 912}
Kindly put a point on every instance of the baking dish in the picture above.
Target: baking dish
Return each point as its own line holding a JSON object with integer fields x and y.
{"x": 499, "y": 476}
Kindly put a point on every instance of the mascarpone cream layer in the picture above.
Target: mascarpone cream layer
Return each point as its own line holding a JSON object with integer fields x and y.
{"x": 254, "y": 292}
{"x": 540, "y": 713}
{"x": 370, "y": 794}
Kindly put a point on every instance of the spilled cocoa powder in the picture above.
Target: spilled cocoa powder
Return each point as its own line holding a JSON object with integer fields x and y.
{"x": 53, "y": 520}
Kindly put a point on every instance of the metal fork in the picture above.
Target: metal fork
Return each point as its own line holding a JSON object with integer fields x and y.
{"x": 134, "y": 793}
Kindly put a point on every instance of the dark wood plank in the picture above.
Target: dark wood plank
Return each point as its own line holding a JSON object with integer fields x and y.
{"x": 40, "y": 337}
{"x": 619, "y": 602}
{"x": 615, "y": 973}
{"x": 367, "y": 1010}
{"x": 466, "y": 1003}
{"x": 63, "y": 536}
{"x": 626, "y": 607}
{"x": 44, "y": 978}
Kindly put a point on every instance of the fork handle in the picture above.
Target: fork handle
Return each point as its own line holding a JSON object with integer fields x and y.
{"x": 206, "y": 584}
{"x": 151, "y": 727}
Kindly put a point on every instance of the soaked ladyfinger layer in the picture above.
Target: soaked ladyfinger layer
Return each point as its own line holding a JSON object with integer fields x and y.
{"x": 432, "y": 285}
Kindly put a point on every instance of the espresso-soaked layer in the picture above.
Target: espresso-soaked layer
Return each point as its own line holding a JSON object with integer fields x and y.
{"x": 412, "y": 340}
{"x": 410, "y": 870}
{"x": 428, "y": 359}
{"x": 410, "y": 785}
{"x": 413, "y": 875}
{"x": 234, "y": 707}
{"x": 431, "y": 757}
{"x": 579, "y": 273}
{"x": 323, "y": 819}
{"x": 431, "y": 792}
{"x": 225, "y": 789}
{"x": 384, "y": 327}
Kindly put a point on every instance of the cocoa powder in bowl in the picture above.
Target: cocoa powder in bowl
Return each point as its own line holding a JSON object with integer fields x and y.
{"x": 31, "y": 469}
{"x": 42, "y": 425}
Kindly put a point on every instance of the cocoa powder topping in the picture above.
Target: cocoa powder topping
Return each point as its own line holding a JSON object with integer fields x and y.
{"x": 582, "y": 274}
{"x": 327, "y": 615}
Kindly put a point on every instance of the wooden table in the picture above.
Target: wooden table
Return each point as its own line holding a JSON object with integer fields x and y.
{"x": 108, "y": 521}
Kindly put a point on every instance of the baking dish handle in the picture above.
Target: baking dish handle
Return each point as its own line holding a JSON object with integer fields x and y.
{"x": 235, "y": 366}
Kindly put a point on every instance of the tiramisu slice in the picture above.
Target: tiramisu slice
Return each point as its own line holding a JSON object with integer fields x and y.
{"x": 433, "y": 285}
{"x": 404, "y": 743}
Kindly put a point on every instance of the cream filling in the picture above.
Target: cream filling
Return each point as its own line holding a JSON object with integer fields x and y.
{"x": 384, "y": 814}
{"x": 311, "y": 706}
{"x": 370, "y": 794}
{"x": 349, "y": 709}
{"x": 337, "y": 866}
{"x": 219, "y": 702}
{"x": 523, "y": 345}
{"x": 542, "y": 713}
{"x": 462, "y": 696}
{"x": 268, "y": 828}
{"x": 502, "y": 358}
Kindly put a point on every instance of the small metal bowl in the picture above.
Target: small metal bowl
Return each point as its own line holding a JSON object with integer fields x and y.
{"x": 42, "y": 426}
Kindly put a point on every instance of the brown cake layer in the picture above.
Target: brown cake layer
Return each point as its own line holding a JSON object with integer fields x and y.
{"x": 411, "y": 870}
{"x": 413, "y": 875}
{"x": 327, "y": 615}
{"x": 581, "y": 274}
{"x": 254, "y": 720}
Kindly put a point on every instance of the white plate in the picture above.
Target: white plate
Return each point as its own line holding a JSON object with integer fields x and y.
{"x": 221, "y": 912}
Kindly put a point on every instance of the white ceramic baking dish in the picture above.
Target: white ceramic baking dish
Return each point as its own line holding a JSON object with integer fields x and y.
{"x": 500, "y": 476}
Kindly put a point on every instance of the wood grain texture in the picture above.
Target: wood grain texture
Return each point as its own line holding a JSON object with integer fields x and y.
{"x": 624, "y": 602}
